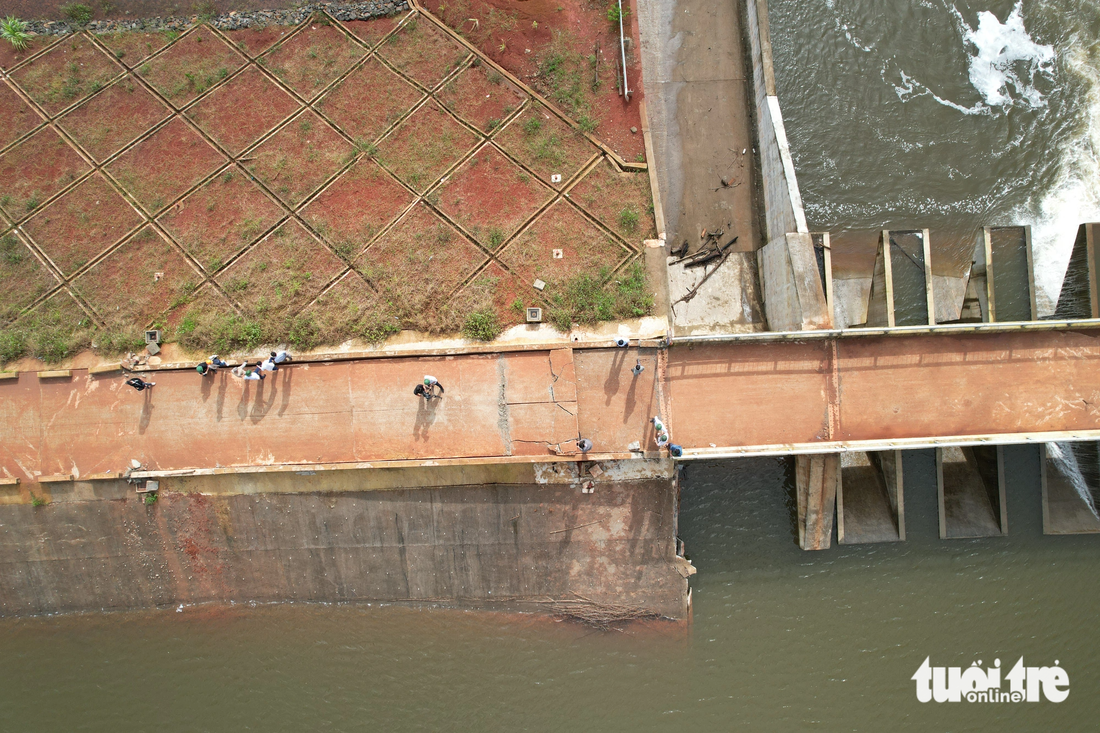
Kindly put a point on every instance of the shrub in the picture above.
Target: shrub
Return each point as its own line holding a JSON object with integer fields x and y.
{"x": 219, "y": 332}
{"x": 14, "y": 31}
{"x": 150, "y": 499}
{"x": 482, "y": 325}
{"x": 615, "y": 14}
{"x": 37, "y": 501}
{"x": 302, "y": 333}
{"x": 78, "y": 12}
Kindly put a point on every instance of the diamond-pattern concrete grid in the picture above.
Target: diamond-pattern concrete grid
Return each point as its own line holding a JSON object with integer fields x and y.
{"x": 257, "y": 170}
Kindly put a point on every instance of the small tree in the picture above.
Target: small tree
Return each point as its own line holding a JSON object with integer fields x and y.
{"x": 14, "y": 31}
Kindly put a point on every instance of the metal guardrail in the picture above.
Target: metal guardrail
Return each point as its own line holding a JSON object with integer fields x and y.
{"x": 790, "y": 449}
{"x": 942, "y": 329}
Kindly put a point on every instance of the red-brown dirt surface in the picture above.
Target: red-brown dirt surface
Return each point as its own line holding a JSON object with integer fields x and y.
{"x": 192, "y": 65}
{"x": 420, "y": 260}
{"x": 491, "y": 197}
{"x": 82, "y": 223}
{"x": 36, "y": 169}
{"x": 531, "y": 255}
{"x": 282, "y": 272}
{"x": 220, "y": 218}
{"x": 390, "y": 97}
{"x": 125, "y": 288}
{"x": 620, "y": 200}
{"x": 352, "y": 307}
{"x": 504, "y": 290}
{"x": 254, "y": 41}
{"x": 423, "y": 52}
{"x": 546, "y": 145}
{"x": 239, "y": 112}
{"x": 19, "y": 265}
{"x": 372, "y": 31}
{"x": 205, "y": 301}
{"x": 356, "y": 206}
{"x": 481, "y": 96}
{"x": 344, "y": 170}
{"x": 133, "y": 47}
{"x": 68, "y": 72}
{"x": 163, "y": 166}
{"x": 16, "y": 116}
{"x": 424, "y": 146}
{"x": 298, "y": 158}
{"x": 527, "y": 37}
{"x": 10, "y": 56}
{"x": 108, "y": 121}
{"x": 310, "y": 61}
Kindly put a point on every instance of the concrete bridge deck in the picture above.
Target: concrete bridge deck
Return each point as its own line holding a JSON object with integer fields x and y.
{"x": 887, "y": 391}
{"x": 728, "y": 398}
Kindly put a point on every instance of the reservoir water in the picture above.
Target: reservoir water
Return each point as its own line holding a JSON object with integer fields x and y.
{"x": 781, "y": 640}
{"x": 901, "y": 115}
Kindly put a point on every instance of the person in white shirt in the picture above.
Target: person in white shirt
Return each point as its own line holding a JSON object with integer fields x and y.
{"x": 277, "y": 358}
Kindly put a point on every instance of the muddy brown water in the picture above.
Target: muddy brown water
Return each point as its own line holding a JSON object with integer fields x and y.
{"x": 781, "y": 639}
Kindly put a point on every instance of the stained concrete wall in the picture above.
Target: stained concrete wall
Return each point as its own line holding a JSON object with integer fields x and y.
{"x": 499, "y": 545}
{"x": 794, "y": 296}
{"x": 783, "y": 210}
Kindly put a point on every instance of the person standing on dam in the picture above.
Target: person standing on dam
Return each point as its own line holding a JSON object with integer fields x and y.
{"x": 427, "y": 389}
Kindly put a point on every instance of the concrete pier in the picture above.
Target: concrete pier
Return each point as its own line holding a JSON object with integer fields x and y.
{"x": 870, "y": 505}
{"x": 971, "y": 491}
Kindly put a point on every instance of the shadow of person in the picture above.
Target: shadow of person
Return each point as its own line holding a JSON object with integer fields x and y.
{"x": 632, "y": 393}
{"x": 286, "y": 389}
{"x": 146, "y": 412}
{"x": 242, "y": 406}
{"x": 631, "y": 397}
{"x": 207, "y": 384}
{"x": 425, "y": 416}
{"x": 260, "y": 406}
{"x": 611, "y": 385}
{"x": 223, "y": 384}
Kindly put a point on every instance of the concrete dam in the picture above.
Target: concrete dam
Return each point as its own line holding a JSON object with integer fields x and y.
{"x": 331, "y": 483}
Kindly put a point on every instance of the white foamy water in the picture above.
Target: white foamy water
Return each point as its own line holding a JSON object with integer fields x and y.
{"x": 1004, "y": 66}
{"x": 1074, "y": 199}
{"x": 1006, "y": 61}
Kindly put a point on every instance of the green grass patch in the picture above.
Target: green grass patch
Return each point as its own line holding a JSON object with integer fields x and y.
{"x": 77, "y": 12}
{"x": 482, "y": 325}
{"x": 586, "y": 299}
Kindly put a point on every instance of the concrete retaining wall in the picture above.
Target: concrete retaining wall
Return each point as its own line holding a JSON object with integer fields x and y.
{"x": 782, "y": 202}
{"x": 504, "y": 546}
{"x": 794, "y": 297}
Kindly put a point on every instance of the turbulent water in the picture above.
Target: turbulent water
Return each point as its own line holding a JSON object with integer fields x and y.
{"x": 945, "y": 115}
{"x": 901, "y": 114}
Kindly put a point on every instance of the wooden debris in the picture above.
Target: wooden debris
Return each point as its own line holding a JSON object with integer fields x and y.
{"x": 599, "y": 615}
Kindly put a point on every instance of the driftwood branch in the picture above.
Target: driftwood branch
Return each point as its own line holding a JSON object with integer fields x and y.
{"x": 594, "y": 613}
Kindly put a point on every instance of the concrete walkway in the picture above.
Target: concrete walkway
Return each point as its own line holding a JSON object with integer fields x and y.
{"x": 818, "y": 395}
{"x": 699, "y": 112}
{"x": 498, "y": 406}
{"x": 778, "y": 397}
